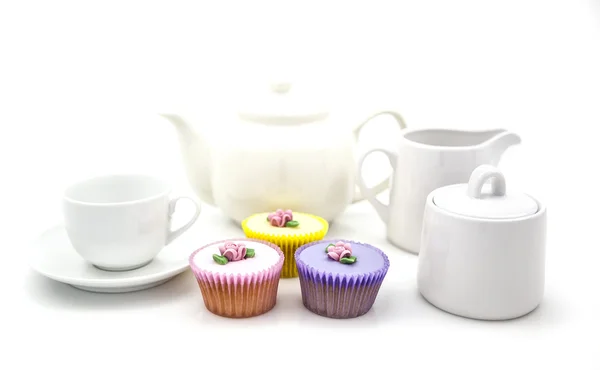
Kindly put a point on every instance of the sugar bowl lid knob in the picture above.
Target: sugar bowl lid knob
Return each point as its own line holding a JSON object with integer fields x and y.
{"x": 479, "y": 201}
{"x": 480, "y": 176}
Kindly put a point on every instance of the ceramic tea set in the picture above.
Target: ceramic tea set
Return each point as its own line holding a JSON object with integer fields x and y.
{"x": 481, "y": 247}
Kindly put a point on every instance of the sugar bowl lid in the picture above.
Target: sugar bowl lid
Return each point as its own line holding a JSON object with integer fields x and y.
{"x": 283, "y": 103}
{"x": 471, "y": 199}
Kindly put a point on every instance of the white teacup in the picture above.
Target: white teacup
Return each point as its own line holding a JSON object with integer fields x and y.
{"x": 121, "y": 222}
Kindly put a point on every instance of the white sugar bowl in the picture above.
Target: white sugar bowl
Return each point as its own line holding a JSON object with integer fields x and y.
{"x": 483, "y": 249}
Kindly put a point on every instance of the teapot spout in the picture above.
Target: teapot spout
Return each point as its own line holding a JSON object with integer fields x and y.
{"x": 498, "y": 144}
{"x": 184, "y": 130}
{"x": 196, "y": 157}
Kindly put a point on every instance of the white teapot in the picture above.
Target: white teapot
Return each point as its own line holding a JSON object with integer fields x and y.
{"x": 280, "y": 151}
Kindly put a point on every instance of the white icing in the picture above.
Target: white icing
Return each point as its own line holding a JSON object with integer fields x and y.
{"x": 307, "y": 225}
{"x": 264, "y": 257}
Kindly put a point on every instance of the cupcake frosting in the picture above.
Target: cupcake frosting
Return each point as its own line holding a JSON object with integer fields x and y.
{"x": 263, "y": 258}
{"x": 306, "y": 224}
{"x": 368, "y": 259}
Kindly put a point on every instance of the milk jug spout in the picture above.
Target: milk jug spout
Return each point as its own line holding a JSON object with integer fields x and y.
{"x": 499, "y": 143}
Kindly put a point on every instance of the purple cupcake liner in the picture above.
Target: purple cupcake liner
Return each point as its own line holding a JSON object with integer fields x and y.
{"x": 336, "y": 295}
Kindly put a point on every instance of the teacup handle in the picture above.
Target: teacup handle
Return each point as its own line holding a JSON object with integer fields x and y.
{"x": 383, "y": 185}
{"x": 174, "y": 234}
{"x": 371, "y": 193}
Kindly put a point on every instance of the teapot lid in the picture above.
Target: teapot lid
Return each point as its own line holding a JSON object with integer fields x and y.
{"x": 471, "y": 199}
{"x": 282, "y": 104}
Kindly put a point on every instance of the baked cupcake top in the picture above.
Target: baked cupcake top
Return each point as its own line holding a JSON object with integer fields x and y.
{"x": 341, "y": 257}
{"x": 285, "y": 222}
{"x": 236, "y": 256}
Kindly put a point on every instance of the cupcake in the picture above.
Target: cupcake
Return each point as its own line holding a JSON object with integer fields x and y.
{"x": 238, "y": 277}
{"x": 340, "y": 279}
{"x": 288, "y": 230}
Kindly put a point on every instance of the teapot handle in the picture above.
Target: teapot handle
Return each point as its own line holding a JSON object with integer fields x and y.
{"x": 370, "y": 194}
{"x": 383, "y": 185}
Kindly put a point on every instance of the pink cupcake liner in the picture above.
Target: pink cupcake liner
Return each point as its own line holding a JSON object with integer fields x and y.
{"x": 239, "y": 295}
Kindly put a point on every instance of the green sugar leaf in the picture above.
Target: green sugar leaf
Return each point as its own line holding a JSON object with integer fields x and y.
{"x": 292, "y": 223}
{"x": 348, "y": 260}
{"x": 249, "y": 253}
{"x": 220, "y": 259}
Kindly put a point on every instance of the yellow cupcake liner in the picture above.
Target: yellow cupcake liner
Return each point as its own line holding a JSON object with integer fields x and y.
{"x": 288, "y": 243}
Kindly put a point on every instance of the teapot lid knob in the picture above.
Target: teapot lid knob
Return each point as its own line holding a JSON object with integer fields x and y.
{"x": 281, "y": 87}
{"x": 278, "y": 103}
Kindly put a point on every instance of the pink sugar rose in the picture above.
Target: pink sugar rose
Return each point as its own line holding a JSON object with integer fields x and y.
{"x": 233, "y": 251}
{"x": 339, "y": 250}
{"x": 280, "y": 217}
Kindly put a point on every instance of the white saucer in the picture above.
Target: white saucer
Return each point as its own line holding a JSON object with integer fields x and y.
{"x": 53, "y": 256}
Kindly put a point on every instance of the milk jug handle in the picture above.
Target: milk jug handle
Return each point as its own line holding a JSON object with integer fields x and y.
{"x": 383, "y": 185}
{"x": 371, "y": 193}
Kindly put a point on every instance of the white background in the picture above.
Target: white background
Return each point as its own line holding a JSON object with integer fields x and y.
{"x": 80, "y": 83}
